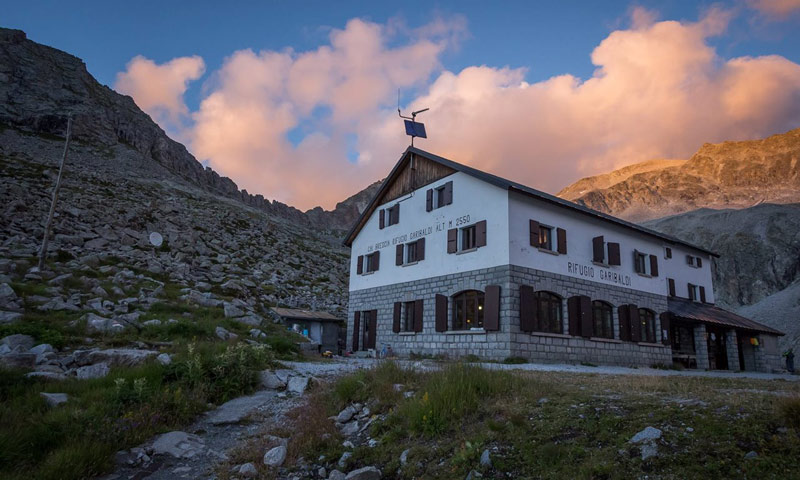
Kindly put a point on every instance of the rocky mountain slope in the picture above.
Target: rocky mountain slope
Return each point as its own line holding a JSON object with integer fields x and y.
{"x": 606, "y": 180}
{"x": 723, "y": 175}
{"x": 40, "y": 86}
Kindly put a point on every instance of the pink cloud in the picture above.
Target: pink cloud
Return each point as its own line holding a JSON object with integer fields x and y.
{"x": 659, "y": 91}
{"x": 775, "y": 8}
{"x": 159, "y": 89}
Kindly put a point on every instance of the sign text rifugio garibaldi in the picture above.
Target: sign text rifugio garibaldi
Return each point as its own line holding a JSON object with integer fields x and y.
{"x": 420, "y": 232}
{"x": 604, "y": 274}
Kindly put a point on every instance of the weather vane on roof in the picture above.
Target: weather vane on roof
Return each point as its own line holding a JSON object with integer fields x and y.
{"x": 413, "y": 127}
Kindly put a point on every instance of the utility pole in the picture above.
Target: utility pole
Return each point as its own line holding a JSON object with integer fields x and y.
{"x": 49, "y": 225}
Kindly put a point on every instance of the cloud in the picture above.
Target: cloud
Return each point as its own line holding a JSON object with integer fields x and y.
{"x": 159, "y": 89}
{"x": 775, "y": 8}
{"x": 311, "y": 128}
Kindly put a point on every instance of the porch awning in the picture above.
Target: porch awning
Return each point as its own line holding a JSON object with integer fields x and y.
{"x": 702, "y": 312}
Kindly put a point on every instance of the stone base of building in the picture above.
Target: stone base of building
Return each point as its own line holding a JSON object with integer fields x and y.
{"x": 508, "y": 341}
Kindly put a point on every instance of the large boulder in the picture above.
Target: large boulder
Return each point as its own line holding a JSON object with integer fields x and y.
{"x": 178, "y": 444}
{"x": 126, "y": 357}
{"x": 98, "y": 370}
{"x": 275, "y": 456}
{"x": 297, "y": 384}
{"x": 18, "y": 342}
{"x": 366, "y": 473}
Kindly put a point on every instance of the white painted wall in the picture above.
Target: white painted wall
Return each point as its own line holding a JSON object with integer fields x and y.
{"x": 473, "y": 199}
{"x": 580, "y": 231}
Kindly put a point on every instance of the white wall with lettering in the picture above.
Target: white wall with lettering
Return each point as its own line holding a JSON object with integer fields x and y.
{"x": 473, "y": 200}
{"x": 578, "y": 260}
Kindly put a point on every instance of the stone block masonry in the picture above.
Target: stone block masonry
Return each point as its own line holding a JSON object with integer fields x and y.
{"x": 508, "y": 340}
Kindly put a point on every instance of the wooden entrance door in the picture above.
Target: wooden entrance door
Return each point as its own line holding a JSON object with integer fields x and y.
{"x": 717, "y": 353}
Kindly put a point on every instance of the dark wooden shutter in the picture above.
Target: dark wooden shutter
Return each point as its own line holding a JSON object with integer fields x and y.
{"x": 598, "y": 247}
{"x": 360, "y": 265}
{"x": 636, "y": 323}
{"x": 527, "y": 309}
{"x": 452, "y": 240}
{"x": 421, "y": 249}
{"x": 398, "y": 254}
{"x": 398, "y": 307}
{"x": 448, "y": 193}
{"x": 356, "y": 330}
{"x": 699, "y": 262}
{"x": 664, "y": 317}
{"x": 574, "y": 313}
{"x": 614, "y": 257}
{"x": 586, "y": 316}
{"x": 691, "y": 292}
{"x": 653, "y": 265}
{"x": 382, "y": 219}
{"x": 418, "y": 311}
{"x": 441, "y": 313}
{"x": 562, "y": 241}
{"x": 534, "y": 225}
{"x": 703, "y": 294}
{"x": 480, "y": 234}
{"x": 671, "y": 282}
{"x": 491, "y": 314}
{"x": 373, "y": 327}
{"x": 376, "y": 261}
{"x": 429, "y": 200}
{"x": 396, "y": 210}
{"x": 624, "y": 323}
{"x": 668, "y": 252}
{"x": 690, "y": 259}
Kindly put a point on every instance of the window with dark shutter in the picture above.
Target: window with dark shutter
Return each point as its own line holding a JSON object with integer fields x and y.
{"x": 534, "y": 233}
{"x": 429, "y": 200}
{"x": 692, "y": 295}
{"x": 667, "y": 252}
{"x": 636, "y": 323}
{"x": 412, "y": 252}
{"x": 703, "y": 294}
{"x": 598, "y": 249}
{"x": 441, "y": 313}
{"x": 665, "y": 318}
{"x": 671, "y": 283}
{"x": 647, "y": 322}
{"x": 469, "y": 308}
{"x": 562, "y": 241}
{"x": 548, "y": 315}
{"x": 586, "y": 316}
{"x": 545, "y": 237}
{"x": 639, "y": 262}
{"x": 699, "y": 262}
{"x": 421, "y": 249}
{"x": 418, "y": 306}
{"x": 491, "y": 317}
{"x": 653, "y": 265}
{"x": 614, "y": 257}
{"x": 448, "y": 193}
{"x": 452, "y": 240}
{"x": 394, "y": 214}
{"x": 468, "y": 238}
{"x": 382, "y": 219}
{"x": 480, "y": 234}
{"x": 409, "y": 316}
{"x": 527, "y": 309}
{"x": 396, "y": 317}
{"x": 602, "y": 319}
{"x": 372, "y": 262}
{"x": 373, "y": 328}
{"x": 360, "y": 265}
{"x": 624, "y": 323}
{"x": 574, "y": 314}
{"x": 689, "y": 260}
{"x": 356, "y": 330}
{"x": 398, "y": 254}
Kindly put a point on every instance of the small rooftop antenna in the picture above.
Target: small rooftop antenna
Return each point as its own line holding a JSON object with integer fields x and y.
{"x": 413, "y": 127}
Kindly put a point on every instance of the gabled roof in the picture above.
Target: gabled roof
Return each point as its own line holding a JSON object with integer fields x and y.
{"x": 298, "y": 314}
{"x": 506, "y": 185}
{"x": 703, "y": 312}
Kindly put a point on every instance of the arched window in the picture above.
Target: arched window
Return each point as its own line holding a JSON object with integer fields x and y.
{"x": 602, "y": 320}
{"x": 548, "y": 312}
{"x": 648, "y": 319}
{"x": 468, "y": 310}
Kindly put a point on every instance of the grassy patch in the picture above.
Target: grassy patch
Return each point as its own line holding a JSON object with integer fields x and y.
{"x": 79, "y": 438}
{"x": 552, "y": 425}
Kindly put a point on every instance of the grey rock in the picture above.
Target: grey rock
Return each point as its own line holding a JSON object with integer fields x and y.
{"x": 18, "y": 342}
{"x": 232, "y": 311}
{"x": 297, "y": 384}
{"x": 98, "y": 370}
{"x": 54, "y": 399}
{"x": 179, "y": 445}
{"x": 365, "y": 473}
{"x": 224, "y": 334}
{"x": 486, "y": 460}
{"x": 649, "y": 450}
{"x": 350, "y": 428}
{"x": 275, "y": 456}
{"x": 343, "y": 459}
{"x": 18, "y": 360}
{"x": 256, "y": 333}
{"x": 252, "y": 319}
{"x": 236, "y": 410}
{"x": 127, "y": 357}
{"x": 648, "y": 434}
{"x": 404, "y": 456}
{"x": 346, "y": 415}
{"x": 9, "y": 317}
{"x": 152, "y": 323}
{"x": 164, "y": 359}
{"x": 336, "y": 475}
{"x": 7, "y": 294}
{"x": 322, "y": 472}
{"x": 271, "y": 381}
{"x": 751, "y": 455}
{"x": 247, "y": 470}
{"x": 473, "y": 474}
{"x": 47, "y": 375}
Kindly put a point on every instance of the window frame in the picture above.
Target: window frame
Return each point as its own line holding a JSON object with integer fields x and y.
{"x": 641, "y": 264}
{"x": 440, "y": 193}
{"x": 548, "y": 236}
{"x": 460, "y": 303}
{"x": 647, "y": 318}
{"x": 604, "y": 306}
{"x": 409, "y": 313}
{"x": 544, "y": 297}
{"x": 468, "y": 238}
{"x": 365, "y": 321}
{"x": 369, "y": 262}
{"x": 411, "y": 247}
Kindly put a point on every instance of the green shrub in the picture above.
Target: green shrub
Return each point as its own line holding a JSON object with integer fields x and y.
{"x": 282, "y": 346}
{"x": 515, "y": 360}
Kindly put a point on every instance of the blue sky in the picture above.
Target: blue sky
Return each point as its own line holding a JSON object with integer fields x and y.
{"x": 261, "y": 91}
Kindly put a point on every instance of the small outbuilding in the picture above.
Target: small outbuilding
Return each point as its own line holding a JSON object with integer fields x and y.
{"x": 322, "y": 328}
